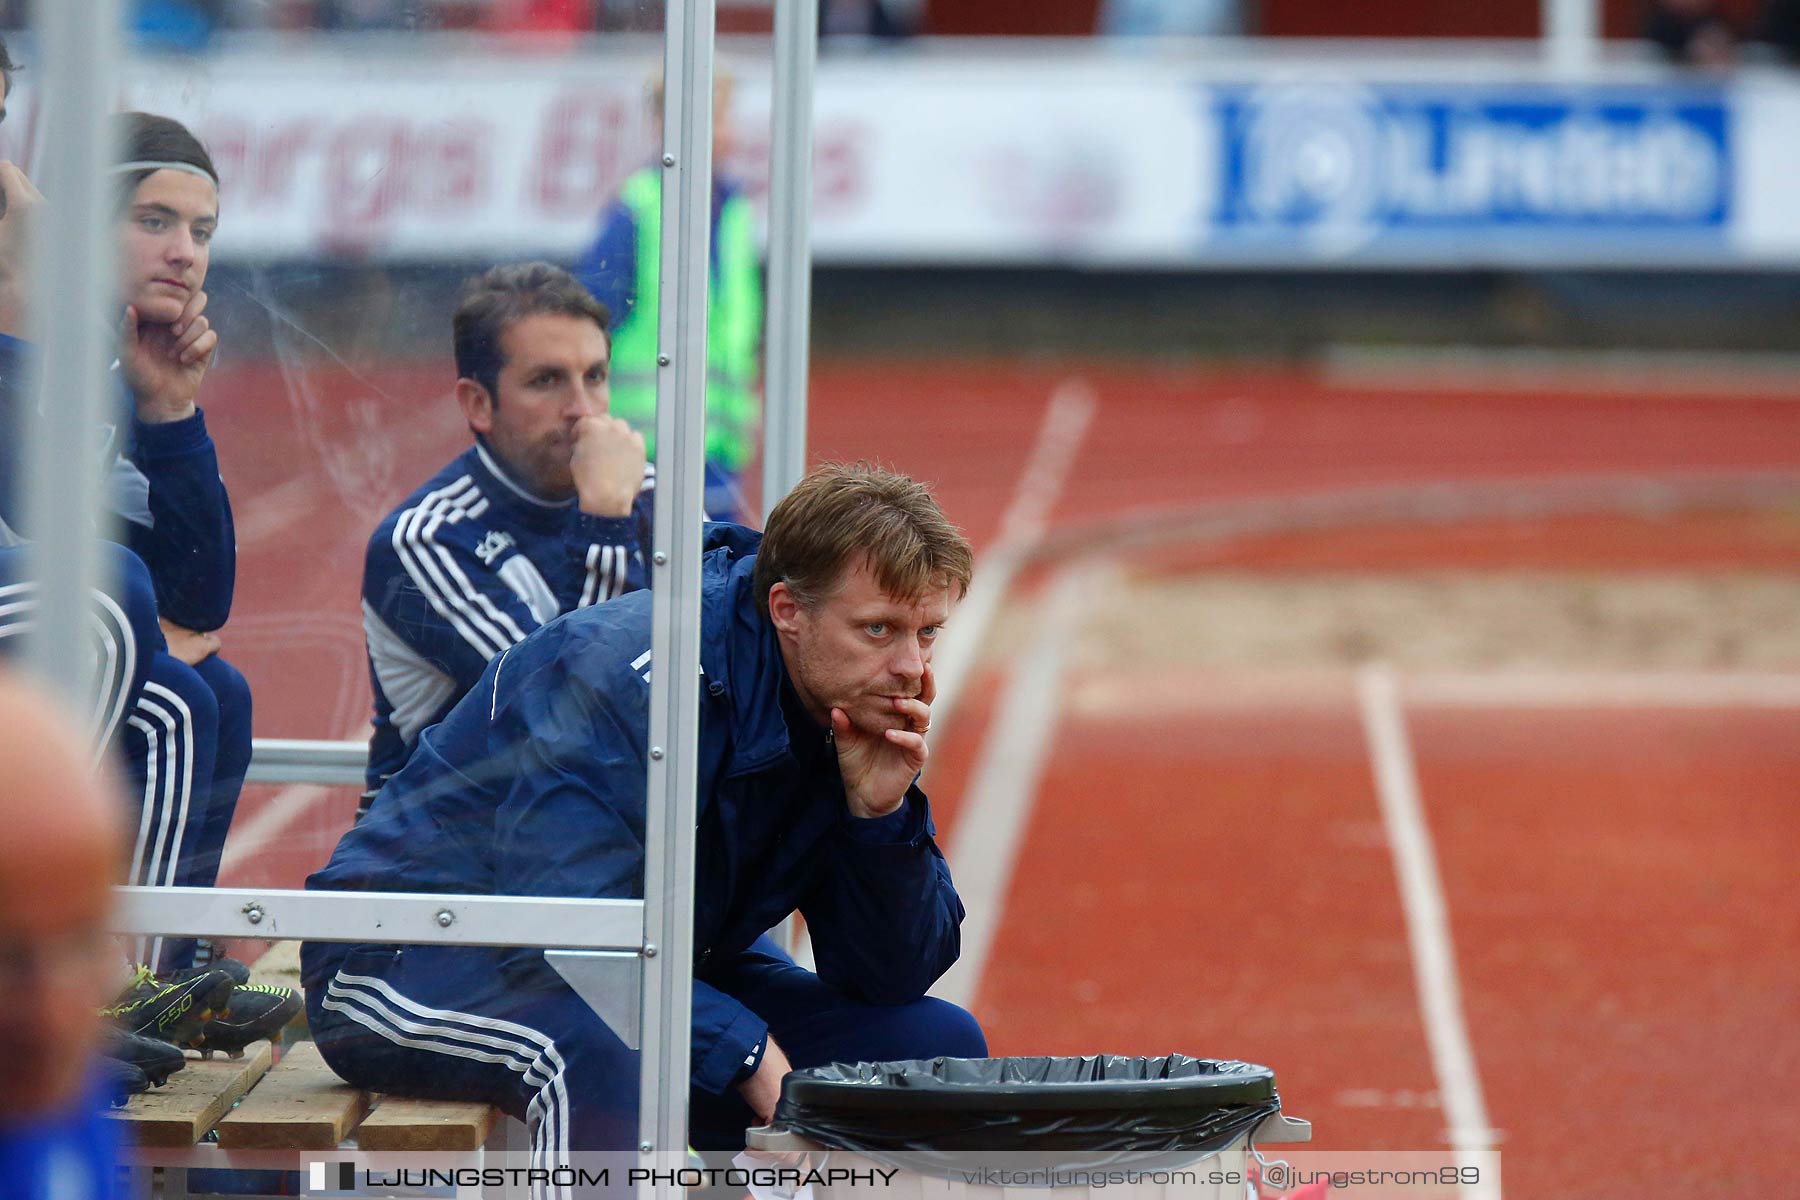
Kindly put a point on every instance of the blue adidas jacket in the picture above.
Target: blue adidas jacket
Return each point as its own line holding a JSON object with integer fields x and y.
{"x": 464, "y": 568}
{"x": 182, "y": 528}
{"x": 535, "y": 785}
{"x": 165, "y": 485}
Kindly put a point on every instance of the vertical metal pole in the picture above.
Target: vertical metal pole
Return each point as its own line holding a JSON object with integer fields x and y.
{"x": 790, "y": 249}
{"x": 72, "y": 284}
{"x": 1571, "y": 33}
{"x": 675, "y": 567}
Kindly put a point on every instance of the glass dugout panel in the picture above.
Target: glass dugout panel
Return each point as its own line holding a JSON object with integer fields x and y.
{"x": 370, "y": 159}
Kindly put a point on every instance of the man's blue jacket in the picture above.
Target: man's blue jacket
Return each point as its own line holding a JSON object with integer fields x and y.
{"x": 535, "y": 785}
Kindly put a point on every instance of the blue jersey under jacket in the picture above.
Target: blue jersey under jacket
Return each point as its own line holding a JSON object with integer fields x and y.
{"x": 535, "y": 785}
{"x": 465, "y": 567}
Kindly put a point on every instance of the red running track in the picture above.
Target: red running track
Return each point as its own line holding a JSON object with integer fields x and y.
{"x": 1210, "y": 873}
{"x": 1216, "y": 879}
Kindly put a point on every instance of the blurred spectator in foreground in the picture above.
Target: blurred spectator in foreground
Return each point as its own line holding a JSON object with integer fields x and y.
{"x": 1692, "y": 32}
{"x": 1171, "y": 18}
{"x": 60, "y": 856}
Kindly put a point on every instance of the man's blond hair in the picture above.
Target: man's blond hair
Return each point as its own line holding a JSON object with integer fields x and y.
{"x": 841, "y": 512}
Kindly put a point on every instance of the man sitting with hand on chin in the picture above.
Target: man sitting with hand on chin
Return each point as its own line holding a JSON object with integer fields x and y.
{"x": 816, "y": 650}
{"x": 545, "y": 513}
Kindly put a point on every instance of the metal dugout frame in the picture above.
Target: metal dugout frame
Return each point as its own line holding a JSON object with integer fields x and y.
{"x": 601, "y": 946}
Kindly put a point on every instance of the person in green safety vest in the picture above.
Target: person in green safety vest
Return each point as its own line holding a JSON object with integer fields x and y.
{"x": 621, "y": 270}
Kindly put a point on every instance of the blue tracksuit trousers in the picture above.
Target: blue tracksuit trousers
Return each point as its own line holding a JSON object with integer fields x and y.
{"x": 444, "y": 1022}
{"x": 186, "y": 749}
{"x": 182, "y": 733}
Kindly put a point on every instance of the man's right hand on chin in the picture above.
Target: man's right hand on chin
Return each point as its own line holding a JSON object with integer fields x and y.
{"x": 608, "y": 466}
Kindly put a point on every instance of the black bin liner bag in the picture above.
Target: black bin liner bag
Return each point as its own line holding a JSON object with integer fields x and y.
{"x": 941, "y": 1116}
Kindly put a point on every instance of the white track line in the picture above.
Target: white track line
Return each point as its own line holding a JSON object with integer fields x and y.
{"x": 1204, "y": 689}
{"x": 1652, "y": 689}
{"x": 1066, "y": 421}
{"x": 1067, "y": 417}
{"x": 997, "y": 806}
{"x": 246, "y": 841}
{"x": 1427, "y": 924}
{"x": 250, "y": 839}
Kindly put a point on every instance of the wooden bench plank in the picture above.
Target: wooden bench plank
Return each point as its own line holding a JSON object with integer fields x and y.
{"x": 181, "y": 1111}
{"x": 301, "y": 1105}
{"x": 404, "y": 1123}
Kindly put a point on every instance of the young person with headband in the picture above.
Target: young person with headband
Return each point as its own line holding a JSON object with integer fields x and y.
{"x": 178, "y": 520}
{"x": 185, "y": 741}
{"x": 194, "y": 715}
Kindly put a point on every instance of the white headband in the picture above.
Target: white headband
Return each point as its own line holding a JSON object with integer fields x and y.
{"x": 190, "y": 168}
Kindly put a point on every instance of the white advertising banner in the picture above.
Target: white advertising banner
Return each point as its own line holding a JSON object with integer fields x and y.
{"x": 506, "y": 158}
{"x": 409, "y": 159}
{"x": 1010, "y": 160}
{"x": 1768, "y": 182}
{"x": 955, "y": 167}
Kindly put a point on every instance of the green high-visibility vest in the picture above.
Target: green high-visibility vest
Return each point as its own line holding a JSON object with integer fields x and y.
{"x": 733, "y": 319}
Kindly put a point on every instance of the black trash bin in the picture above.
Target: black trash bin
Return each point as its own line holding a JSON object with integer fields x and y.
{"x": 952, "y": 1118}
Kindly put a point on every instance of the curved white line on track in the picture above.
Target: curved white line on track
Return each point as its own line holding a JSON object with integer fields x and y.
{"x": 996, "y": 808}
{"x": 1067, "y": 418}
{"x": 1199, "y": 690}
{"x": 1470, "y": 1134}
{"x": 1603, "y": 690}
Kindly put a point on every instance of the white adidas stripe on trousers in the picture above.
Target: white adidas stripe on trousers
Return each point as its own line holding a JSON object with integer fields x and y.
{"x": 114, "y": 648}
{"x": 117, "y": 651}
{"x": 374, "y": 1004}
{"x": 166, "y": 723}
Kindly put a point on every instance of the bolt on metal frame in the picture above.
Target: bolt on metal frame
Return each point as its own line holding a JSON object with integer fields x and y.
{"x": 684, "y": 268}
